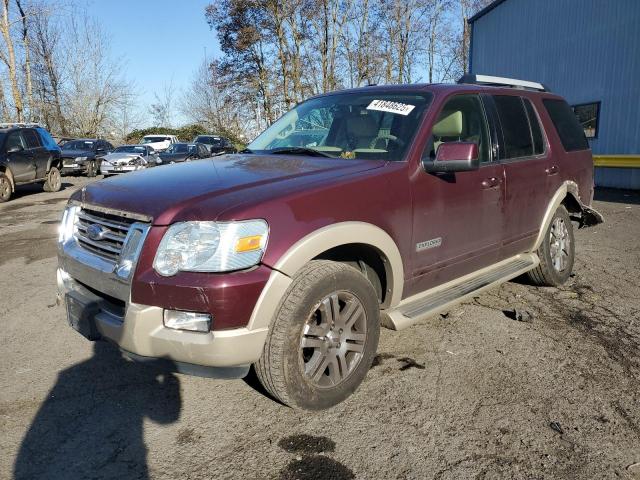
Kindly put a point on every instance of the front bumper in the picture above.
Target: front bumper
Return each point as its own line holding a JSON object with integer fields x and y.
{"x": 71, "y": 166}
{"x": 99, "y": 307}
{"x": 109, "y": 169}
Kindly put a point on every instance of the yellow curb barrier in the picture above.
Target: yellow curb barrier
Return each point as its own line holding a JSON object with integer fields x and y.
{"x": 617, "y": 161}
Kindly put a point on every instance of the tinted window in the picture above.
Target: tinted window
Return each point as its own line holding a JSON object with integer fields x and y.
{"x": 588, "y": 114}
{"x": 536, "y": 131}
{"x": 461, "y": 120}
{"x": 569, "y": 130}
{"x": 14, "y": 140}
{"x": 31, "y": 139}
{"x": 515, "y": 127}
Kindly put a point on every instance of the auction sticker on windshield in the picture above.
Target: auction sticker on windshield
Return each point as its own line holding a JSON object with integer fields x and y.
{"x": 392, "y": 107}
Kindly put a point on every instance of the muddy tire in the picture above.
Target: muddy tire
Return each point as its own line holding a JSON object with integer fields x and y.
{"x": 53, "y": 182}
{"x": 323, "y": 338}
{"x": 556, "y": 253}
{"x": 5, "y": 188}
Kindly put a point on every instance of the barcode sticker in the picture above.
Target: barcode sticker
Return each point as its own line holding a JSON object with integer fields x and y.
{"x": 391, "y": 107}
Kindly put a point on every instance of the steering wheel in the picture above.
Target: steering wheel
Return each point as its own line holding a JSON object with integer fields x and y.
{"x": 389, "y": 138}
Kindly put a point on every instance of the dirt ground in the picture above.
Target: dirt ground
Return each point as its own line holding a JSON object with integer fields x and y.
{"x": 472, "y": 394}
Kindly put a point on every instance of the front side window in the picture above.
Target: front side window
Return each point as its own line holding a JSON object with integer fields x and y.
{"x": 588, "y": 115}
{"x": 377, "y": 126}
{"x": 462, "y": 119}
{"x": 516, "y": 134}
{"x": 569, "y": 130}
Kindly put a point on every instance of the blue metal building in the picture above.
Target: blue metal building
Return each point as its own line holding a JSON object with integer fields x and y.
{"x": 585, "y": 50}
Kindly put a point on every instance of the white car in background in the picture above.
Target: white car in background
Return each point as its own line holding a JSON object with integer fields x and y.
{"x": 128, "y": 158}
{"x": 159, "y": 142}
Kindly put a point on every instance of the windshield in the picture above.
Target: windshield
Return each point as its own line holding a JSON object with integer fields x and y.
{"x": 154, "y": 139}
{"x": 181, "y": 148}
{"x": 208, "y": 140}
{"x": 78, "y": 145}
{"x": 378, "y": 126}
{"x": 130, "y": 149}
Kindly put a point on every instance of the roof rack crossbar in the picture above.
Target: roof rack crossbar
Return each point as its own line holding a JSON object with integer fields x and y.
{"x": 502, "y": 82}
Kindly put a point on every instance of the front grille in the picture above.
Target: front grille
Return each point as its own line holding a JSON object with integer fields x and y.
{"x": 114, "y": 232}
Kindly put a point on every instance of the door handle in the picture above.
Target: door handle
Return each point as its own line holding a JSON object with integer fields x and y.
{"x": 552, "y": 170}
{"x": 490, "y": 182}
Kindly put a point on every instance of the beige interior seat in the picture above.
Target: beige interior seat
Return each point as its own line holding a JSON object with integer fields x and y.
{"x": 361, "y": 131}
{"x": 447, "y": 129}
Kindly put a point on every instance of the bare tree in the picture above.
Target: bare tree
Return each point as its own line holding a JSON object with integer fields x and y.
{"x": 9, "y": 58}
{"x": 161, "y": 109}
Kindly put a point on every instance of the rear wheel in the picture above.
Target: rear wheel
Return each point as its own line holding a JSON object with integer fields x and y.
{"x": 556, "y": 253}
{"x": 53, "y": 182}
{"x": 323, "y": 339}
{"x": 5, "y": 188}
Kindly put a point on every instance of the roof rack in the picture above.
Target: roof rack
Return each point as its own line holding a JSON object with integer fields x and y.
{"x": 502, "y": 82}
{"x": 20, "y": 124}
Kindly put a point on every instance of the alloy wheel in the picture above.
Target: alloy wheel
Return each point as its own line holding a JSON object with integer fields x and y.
{"x": 333, "y": 339}
{"x": 559, "y": 241}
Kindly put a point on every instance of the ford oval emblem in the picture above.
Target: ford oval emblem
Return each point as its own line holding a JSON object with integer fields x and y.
{"x": 95, "y": 232}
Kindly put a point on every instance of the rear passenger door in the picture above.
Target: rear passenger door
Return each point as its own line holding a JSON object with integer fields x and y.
{"x": 39, "y": 154}
{"x": 522, "y": 149}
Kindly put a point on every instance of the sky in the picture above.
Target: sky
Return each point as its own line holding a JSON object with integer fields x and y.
{"x": 161, "y": 42}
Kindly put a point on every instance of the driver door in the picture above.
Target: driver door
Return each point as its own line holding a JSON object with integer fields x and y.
{"x": 457, "y": 217}
{"x": 20, "y": 158}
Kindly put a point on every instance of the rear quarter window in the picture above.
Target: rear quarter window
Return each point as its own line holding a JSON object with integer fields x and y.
{"x": 564, "y": 120}
{"x": 516, "y": 133}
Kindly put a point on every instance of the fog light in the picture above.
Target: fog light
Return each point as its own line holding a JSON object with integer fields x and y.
{"x": 192, "y": 321}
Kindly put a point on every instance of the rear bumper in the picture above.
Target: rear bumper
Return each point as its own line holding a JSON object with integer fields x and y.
{"x": 139, "y": 329}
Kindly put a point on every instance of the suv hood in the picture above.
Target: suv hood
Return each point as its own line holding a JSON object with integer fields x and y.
{"x": 164, "y": 193}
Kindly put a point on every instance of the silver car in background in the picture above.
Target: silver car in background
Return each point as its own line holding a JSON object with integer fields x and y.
{"x": 129, "y": 158}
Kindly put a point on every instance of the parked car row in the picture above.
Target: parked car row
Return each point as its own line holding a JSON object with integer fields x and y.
{"x": 29, "y": 154}
{"x": 90, "y": 156}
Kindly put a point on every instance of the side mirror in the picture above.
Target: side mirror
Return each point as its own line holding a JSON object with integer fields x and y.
{"x": 15, "y": 148}
{"x": 454, "y": 157}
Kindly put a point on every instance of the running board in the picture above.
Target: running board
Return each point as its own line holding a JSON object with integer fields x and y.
{"x": 436, "y": 300}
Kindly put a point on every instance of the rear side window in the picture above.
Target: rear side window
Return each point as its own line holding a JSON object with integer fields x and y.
{"x": 536, "y": 131}
{"x": 515, "y": 127}
{"x": 31, "y": 139}
{"x": 569, "y": 130}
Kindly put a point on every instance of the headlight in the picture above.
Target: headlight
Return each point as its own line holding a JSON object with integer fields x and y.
{"x": 68, "y": 223}
{"x": 80, "y": 159}
{"x": 211, "y": 246}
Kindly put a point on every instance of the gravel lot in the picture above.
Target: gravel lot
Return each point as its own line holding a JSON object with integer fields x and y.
{"x": 471, "y": 394}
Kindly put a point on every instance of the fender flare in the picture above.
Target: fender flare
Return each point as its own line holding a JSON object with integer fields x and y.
{"x": 318, "y": 242}
{"x": 53, "y": 160}
{"x": 567, "y": 188}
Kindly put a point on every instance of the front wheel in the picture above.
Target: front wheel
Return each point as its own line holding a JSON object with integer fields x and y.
{"x": 92, "y": 169}
{"x": 53, "y": 182}
{"x": 556, "y": 253}
{"x": 323, "y": 338}
{"x": 5, "y": 188}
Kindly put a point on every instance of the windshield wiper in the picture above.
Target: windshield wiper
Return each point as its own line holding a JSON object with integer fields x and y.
{"x": 246, "y": 150}
{"x": 299, "y": 151}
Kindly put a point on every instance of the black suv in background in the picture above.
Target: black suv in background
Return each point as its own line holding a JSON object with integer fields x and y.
{"x": 217, "y": 145}
{"x": 84, "y": 155}
{"x": 28, "y": 154}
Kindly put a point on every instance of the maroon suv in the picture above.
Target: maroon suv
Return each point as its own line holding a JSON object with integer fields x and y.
{"x": 378, "y": 205}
